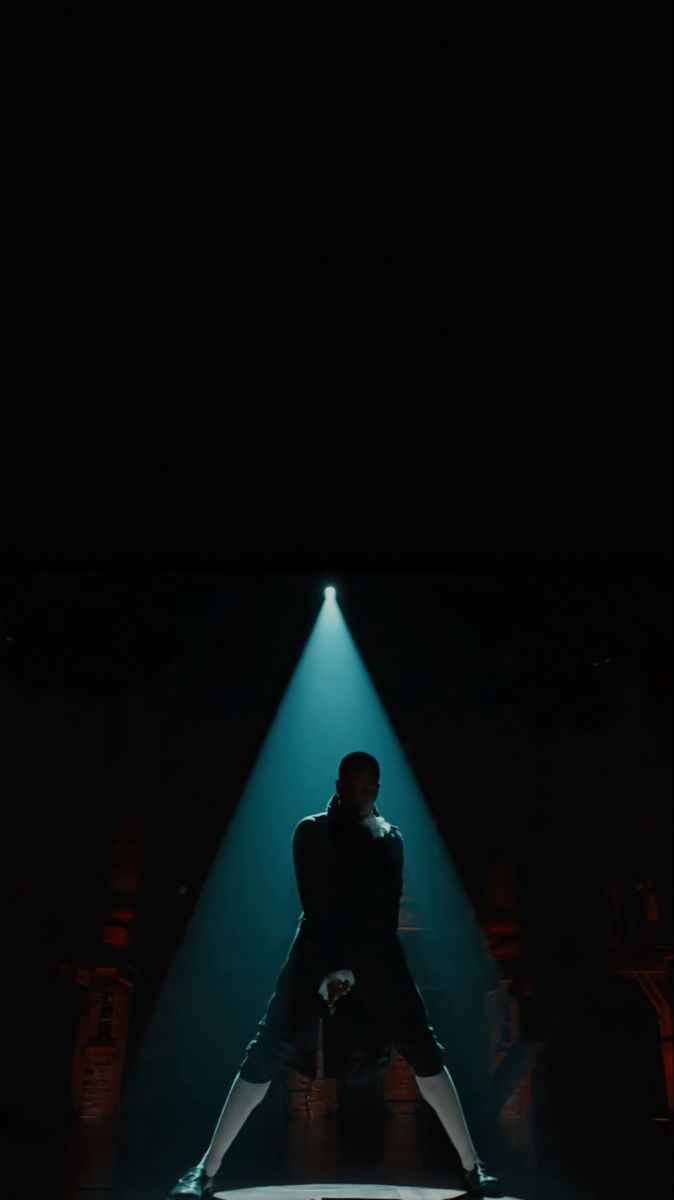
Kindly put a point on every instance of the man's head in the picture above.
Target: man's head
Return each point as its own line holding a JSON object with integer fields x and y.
{"x": 358, "y": 784}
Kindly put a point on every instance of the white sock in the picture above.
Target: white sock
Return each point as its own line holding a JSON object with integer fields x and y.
{"x": 242, "y": 1099}
{"x": 439, "y": 1091}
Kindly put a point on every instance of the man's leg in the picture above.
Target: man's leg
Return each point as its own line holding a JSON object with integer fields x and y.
{"x": 439, "y": 1091}
{"x": 278, "y": 1039}
{"x": 290, "y": 1007}
{"x": 242, "y": 1099}
{"x": 410, "y": 1031}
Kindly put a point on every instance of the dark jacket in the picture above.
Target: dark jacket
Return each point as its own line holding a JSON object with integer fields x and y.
{"x": 350, "y": 884}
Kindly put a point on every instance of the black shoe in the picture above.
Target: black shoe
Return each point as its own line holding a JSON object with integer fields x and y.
{"x": 481, "y": 1183}
{"x": 195, "y": 1183}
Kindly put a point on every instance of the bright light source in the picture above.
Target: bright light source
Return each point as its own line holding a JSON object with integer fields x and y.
{"x": 330, "y": 593}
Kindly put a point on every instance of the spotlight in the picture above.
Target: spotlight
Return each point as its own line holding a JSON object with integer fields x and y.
{"x": 330, "y": 593}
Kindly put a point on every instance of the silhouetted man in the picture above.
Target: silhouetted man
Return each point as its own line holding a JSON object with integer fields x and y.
{"x": 349, "y": 867}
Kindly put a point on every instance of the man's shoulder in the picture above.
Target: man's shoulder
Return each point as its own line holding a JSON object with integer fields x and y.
{"x": 311, "y": 822}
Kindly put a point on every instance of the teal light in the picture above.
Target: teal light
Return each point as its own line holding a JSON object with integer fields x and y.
{"x": 246, "y": 914}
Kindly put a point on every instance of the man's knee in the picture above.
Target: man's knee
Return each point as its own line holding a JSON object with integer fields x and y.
{"x": 424, "y": 1057}
{"x": 427, "y": 1065}
{"x": 428, "y": 1075}
{"x": 254, "y": 1082}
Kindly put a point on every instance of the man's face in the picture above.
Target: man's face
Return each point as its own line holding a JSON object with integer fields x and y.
{"x": 358, "y": 790}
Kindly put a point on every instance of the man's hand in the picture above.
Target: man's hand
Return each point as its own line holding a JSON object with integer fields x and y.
{"x": 336, "y": 989}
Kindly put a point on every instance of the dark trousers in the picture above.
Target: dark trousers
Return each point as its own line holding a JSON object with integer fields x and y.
{"x": 384, "y": 1008}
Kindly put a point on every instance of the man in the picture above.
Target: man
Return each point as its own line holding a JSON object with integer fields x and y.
{"x": 349, "y": 866}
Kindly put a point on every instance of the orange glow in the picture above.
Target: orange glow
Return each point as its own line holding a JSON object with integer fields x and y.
{"x": 123, "y": 914}
{"x": 116, "y": 935}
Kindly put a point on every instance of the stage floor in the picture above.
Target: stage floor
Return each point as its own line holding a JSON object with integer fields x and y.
{"x": 344, "y": 1191}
